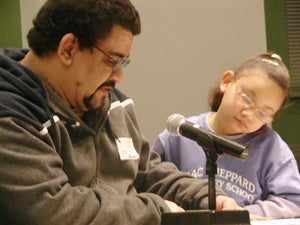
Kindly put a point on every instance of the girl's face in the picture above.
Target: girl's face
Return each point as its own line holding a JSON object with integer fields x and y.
{"x": 249, "y": 102}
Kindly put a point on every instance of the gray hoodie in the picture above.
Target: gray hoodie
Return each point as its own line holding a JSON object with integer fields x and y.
{"x": 59, "y": 169}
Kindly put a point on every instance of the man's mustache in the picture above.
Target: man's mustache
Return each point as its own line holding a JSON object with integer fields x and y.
{"x": 111, "y": 84}
{"x": 87, "y": 100}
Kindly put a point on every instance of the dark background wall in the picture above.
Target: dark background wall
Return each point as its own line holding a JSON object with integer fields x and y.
{"x": 287, "y": 121}
{"x": 10, "y": 24}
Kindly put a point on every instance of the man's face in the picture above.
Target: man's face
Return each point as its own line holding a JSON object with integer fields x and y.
{"x": 95, "y": 73}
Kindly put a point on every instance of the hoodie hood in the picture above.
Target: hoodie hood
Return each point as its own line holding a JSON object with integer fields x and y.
{"x": 22, "y": 94}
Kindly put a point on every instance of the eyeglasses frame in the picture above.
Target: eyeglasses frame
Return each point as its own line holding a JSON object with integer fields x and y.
{"x": 260, "y": 114}
{"x": 116, "y": 63}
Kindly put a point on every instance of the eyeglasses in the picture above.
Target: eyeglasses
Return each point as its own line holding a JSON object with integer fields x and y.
{"x": 115, "y": 63}
{"x": 247, "y": 101}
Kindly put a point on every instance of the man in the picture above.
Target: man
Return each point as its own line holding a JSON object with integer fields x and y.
{"x": 71, "y": 151}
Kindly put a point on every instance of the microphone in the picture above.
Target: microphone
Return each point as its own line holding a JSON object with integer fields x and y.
{"x": 178, "y": 125}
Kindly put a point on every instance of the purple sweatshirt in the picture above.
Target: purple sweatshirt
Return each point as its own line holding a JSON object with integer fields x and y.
{"x": 266, "y": 183}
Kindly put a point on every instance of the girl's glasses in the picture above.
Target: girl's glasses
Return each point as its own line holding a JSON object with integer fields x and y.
{"x": 249, "y": 104}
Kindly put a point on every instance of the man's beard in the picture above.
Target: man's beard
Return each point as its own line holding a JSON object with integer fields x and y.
{"x": 88, "y": 100}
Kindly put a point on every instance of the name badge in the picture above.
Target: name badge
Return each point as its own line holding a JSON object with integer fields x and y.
{"x": 126, "y": 149}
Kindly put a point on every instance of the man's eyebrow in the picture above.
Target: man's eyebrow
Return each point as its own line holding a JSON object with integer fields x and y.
{"x": 119, "y": 55}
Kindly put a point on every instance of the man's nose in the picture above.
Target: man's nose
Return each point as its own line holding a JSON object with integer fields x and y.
{"x": 117, "y": 75}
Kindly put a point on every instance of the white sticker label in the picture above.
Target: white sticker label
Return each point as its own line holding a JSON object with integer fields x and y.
{"x": 126, "y": 149}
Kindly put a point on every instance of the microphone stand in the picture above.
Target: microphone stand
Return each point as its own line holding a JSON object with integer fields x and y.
{"x": 211, "y": 216}
{"x": 211, "y": 171}
{"x": 216, "y": 217}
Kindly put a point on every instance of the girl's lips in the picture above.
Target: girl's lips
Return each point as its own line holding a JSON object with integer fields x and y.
{"x": 240, "y": 122}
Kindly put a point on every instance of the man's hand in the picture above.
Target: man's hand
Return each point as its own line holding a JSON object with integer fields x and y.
{"x": 174, "y": 207}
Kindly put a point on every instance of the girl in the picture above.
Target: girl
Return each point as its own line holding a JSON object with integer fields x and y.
{"x": 267, "y": 183}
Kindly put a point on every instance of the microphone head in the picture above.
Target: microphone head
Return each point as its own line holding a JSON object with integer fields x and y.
{"x": 174, "y": 122}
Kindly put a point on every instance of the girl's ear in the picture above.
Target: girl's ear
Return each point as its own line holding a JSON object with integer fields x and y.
{"x": 227, "y": 79}
{"x": 67, "y": 47}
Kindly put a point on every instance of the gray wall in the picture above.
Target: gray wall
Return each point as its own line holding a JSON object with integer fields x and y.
{"x": 184, "y": 48}
{"x": 29, "y": 9}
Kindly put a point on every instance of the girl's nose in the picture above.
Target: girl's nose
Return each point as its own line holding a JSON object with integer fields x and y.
{"x": 247, "y": 112}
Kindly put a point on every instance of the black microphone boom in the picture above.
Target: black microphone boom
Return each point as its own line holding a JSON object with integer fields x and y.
{"x": 178, "y": 125}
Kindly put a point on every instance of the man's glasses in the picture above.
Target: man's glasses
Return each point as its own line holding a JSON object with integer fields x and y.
{"x": 259, "y": 113}
{"x": 115, "y": 63}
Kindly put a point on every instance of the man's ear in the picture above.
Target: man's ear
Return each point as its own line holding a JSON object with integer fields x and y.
{"x": 227, "y": 78}
{"x": 67, "y": 47}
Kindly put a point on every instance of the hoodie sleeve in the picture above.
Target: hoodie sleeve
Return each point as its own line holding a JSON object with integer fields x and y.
{"x": 166, "y": 180}
{"x": 282, "y": 200}
{"x": 274, "y": 207}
